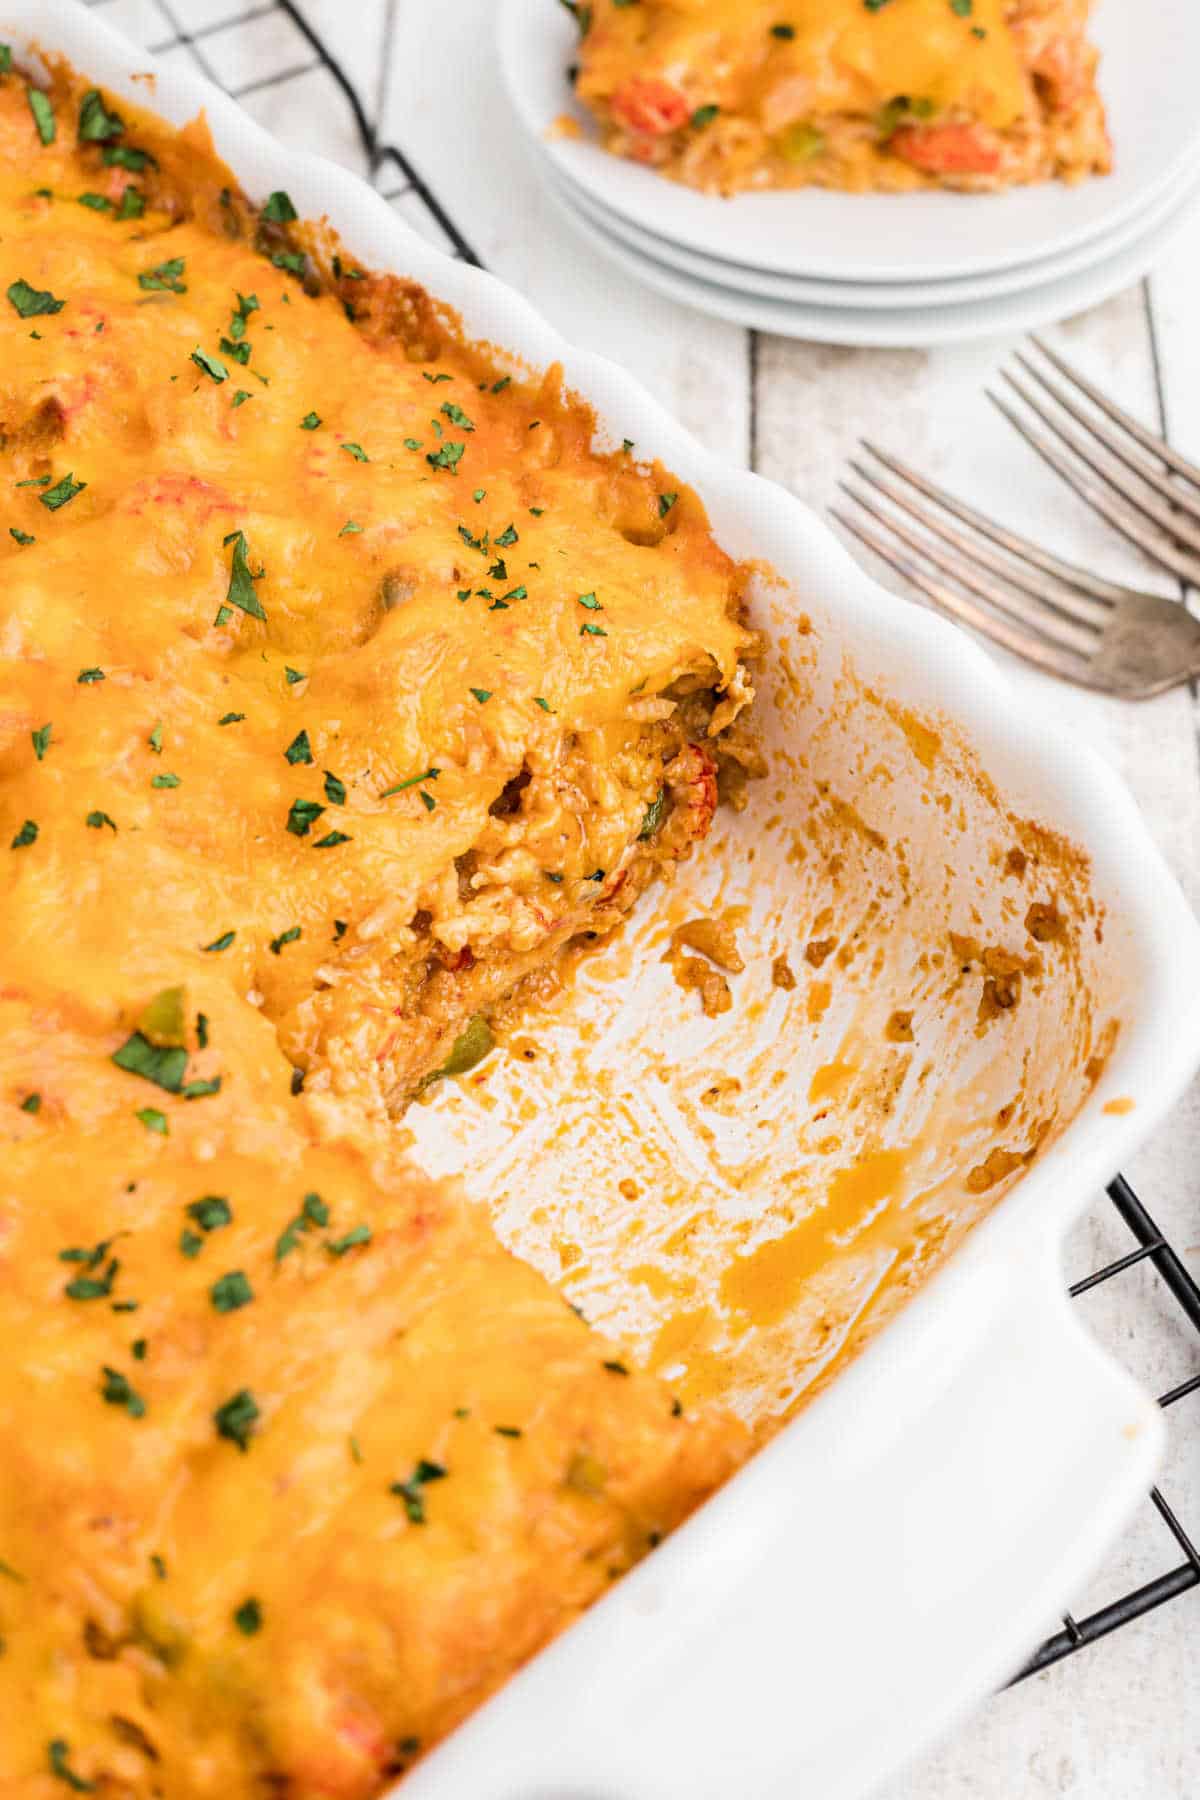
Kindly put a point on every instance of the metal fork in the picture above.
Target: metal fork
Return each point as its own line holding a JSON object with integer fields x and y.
{"x": 1097, "y": 633}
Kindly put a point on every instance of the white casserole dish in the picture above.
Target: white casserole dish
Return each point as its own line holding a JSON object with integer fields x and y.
{"x": 898, "y": 1546}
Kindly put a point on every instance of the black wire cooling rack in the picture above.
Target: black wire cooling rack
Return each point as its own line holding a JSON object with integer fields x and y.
{"x": 299, "y": 53}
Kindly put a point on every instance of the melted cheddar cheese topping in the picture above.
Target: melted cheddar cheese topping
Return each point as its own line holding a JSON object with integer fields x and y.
{"x": 341, "y": 683}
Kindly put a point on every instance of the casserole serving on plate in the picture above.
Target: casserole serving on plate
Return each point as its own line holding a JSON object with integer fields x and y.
{"x": 973, "y": 94}
{"x": 883, "y": 733}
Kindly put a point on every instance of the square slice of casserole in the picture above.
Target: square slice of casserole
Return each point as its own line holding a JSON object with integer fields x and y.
{"x": 727, "y": 95}
{"x": 343, "y": 685}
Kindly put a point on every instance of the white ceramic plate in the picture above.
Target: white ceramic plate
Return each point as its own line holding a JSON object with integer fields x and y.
{"x": 882, "y": 296}
{"x": 899, "y": 327}
{"x": 1148, "y": 79}
{"x": 966, "y": 1473}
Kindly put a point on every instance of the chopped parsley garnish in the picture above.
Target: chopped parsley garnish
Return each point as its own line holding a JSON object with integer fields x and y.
{"x": 153, "y": 1120}
{"x": 31, "y": 302}
{"x": 704, "y": 115}
{"x": 61, "y": 492}
{"x": 507, "y": 537}
{"x": 32, "y": 1103}
{"x": 138, "y": 1349}
{"x": 430, "y": 774}
{"x": 58, "y": 1749}
{"x": 230, "y": 1292}
{"x": 190, "y": 1242}
{"x": 457, "y": 416}
{"x": 285, "y": 937}
{"x": 235, "y": 1420}
{"x": 248, "y": 1617}
{"x": 212, "y": 366}
{"x": 361, "y": 1234}
{"x": 786, "y": 32}
{"x": 310, "y": 421}
{"x": 238, "y": 398}
{"x": 279, "y": 209}
{"x": 166, "y": 780}
{"x": 544, "y": 704}
{"x": 508, "y": 1431}
{"x": 132, "y": 206}
{"x": 294, "y": 675}
{"x": 482, "y": 694}
{"x": 43, "y": 114}
{"x": 41, "y": 741}
{"x": 241, "y": 581}
{"x": 96, "y": 123}
{"x": 331, "y": 840}
{"x": 313, "y": 1211}
{"x": 123, "y": 156}
{"x": 652, "y": 818}
{"x": 220, "y": 943}
{"x": 26, "y": 836}
{"x": 591, "y": 602}
{"x": 357, "y": 452}
{"x": 302, "y": 815}
{"x": 665, "y": 503}
{"x": 166, "y": 277}
{"x": 86, "y": 676}
{"x": 117, "y": 1390}
{"x": 211, "y": 1212}
{"x": 155, "y": 739}
{"x": 590, "y": 630}
{"x": 163, "y": 1064}
{"x": 22, "y": 537}
{"x": 335, "y": 790}
{"x": 448, "y": 457}
{"x": 614, "y": 1367}
{"x": 299, "y": 750}
{"x": 435, "y": 378}
{"x": 231, "y": 718}
{"x": 97, "y": 820}
{"x": 96, "y": 202}
{"x": 410, "y": 1491}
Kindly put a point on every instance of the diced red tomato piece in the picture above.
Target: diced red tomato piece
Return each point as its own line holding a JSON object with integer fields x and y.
{"x": 946, "y": 149}
{"x": 650, "y": 107}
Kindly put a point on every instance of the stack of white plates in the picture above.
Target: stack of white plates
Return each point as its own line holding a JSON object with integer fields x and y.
{"x": 906, "y": 269}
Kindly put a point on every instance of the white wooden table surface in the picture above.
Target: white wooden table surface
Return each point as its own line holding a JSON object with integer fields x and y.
{"x": 1121, "y": 1721}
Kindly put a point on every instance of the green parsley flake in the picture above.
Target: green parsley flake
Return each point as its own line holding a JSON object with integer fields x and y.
{"x": 31, "y": 302}
{"x": 410, "y": 1490}
{"x": 211, "y": 1212}
{"x": 279, "y": 209}
{"x": 356, "y": 451}
{"x": 235, "y": 1420}
{"x": 132, "y": 206}
{"x": 241, "y": 581}
{"x": 507, "y": 537}
{"x": 96, "y": 123}
{"x": 483, "y": 695}
{"x": 310, "y": 421}
{"x": 302, "y": 815}
{"x": 591, "y": 602}
{"x": 239, "y": 397}
{"x": 299, "y": 750}
{"x": 153, "y": 1120}
{"x": 118, "y": 1392}
{"x": 43, "y": 114}
{"x": 32, "y": 1103}
{"x": 590, "y": 630}
{"x": 349, "y": 526}
{"x": 167, "y": 780}
{"x": 41, "y": 741}
{"x": 26, "y": 836}
{"x": 430, "y": 774}
{"x": 22, "y": 537}
{"x": 122, "y": 156}
{"x": 165, "y": 277}
{"x": 448, "y": 457}
{"x": 163, "y": 1064}
{"x": 361, "y": 1234}
{"x": 231, "y": 718}
{"x": 230, "y": 1292}
{"x": 97, "y": 820}
{"x": 248, "y": 1617}
{"x": 211, "y": 365}
{"x": 58, "y": 1750}
{"x": 457, "y": 416}
{"x": 61, "y": 492}
{"x": 335, "y": 790}
{"x": 331, "y": 840}
{"x": 286, "y": 937}
{"x": 86, "y": 676}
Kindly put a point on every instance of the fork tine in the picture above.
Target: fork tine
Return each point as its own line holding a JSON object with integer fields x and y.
{"x": 1029, "y": 552}
{"x": 1122, "y": 518}
{"x": 1061, "y": 632}
{"x": 1172, "y": 519}
{"x": 964, "y": 610}
{"x": 1177, "y": 498}
{"x": 1063, "y": 600}
{"x": 1157, "y": 446}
